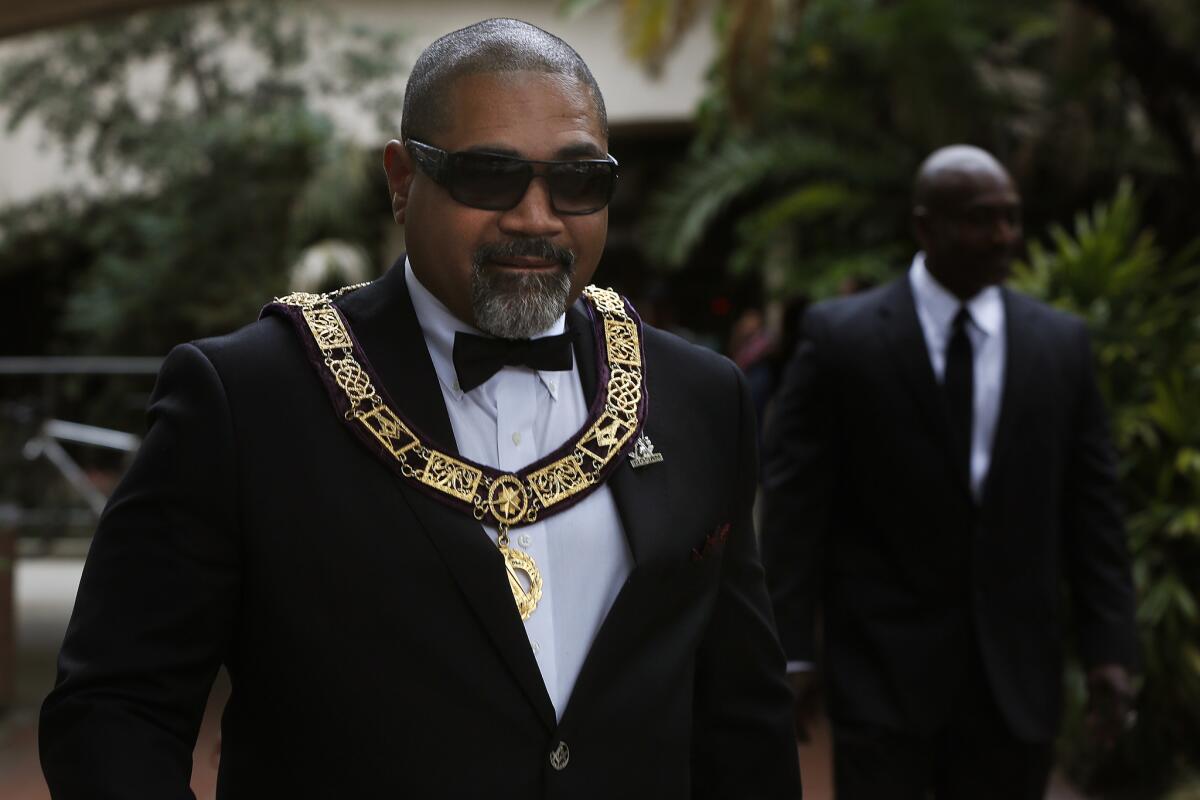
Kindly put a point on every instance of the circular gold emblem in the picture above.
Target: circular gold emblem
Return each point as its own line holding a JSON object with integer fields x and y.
{"x": 507, "y": 500}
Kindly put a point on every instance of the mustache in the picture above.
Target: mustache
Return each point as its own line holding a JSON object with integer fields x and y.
{"x": 542, "y": 249}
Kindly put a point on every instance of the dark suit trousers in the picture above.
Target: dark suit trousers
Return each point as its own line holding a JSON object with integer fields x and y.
{"x": 973, "y": 757}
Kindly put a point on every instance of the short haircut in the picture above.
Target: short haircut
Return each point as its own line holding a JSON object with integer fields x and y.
{"x": 487, "y": 47}
{"x": 942, "y": 176}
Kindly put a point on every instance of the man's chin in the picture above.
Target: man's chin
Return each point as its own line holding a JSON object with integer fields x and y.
{"x": 994, "y": 270}
{"x": 519, "y": 304}
{"x": 1000, "y": 271}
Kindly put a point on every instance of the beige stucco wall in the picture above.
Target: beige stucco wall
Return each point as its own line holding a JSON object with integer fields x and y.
{"x": 27, "y": 167}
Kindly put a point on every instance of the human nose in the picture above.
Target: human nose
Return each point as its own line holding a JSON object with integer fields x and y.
{"x": 534, "y": 215}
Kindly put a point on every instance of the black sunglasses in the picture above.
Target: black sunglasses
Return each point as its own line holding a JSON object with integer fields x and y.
{"x": 497, "y": 183}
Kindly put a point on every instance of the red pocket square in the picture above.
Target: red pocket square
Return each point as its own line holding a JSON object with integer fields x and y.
{"x": 714, "y": 543}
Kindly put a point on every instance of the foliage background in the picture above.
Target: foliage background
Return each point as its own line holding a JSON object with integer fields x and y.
{"x": 214, "y": 178}
{"x": 214, "y": 172}
{"x": 217, "y": 162}
{"x": 819, "y": 112}
{"x": 1143, "y": 305}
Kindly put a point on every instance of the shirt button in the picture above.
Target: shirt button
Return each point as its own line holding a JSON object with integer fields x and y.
{"x": 537, "y": 648}
{"x": 525, "y": 540}
{"x": 517, "y": 437}
{"x": 560, "y": 757}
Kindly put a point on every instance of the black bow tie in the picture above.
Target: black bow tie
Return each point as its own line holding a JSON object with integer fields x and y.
{"x": 477, "y": 358}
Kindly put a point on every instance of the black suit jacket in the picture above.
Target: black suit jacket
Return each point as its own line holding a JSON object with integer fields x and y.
{"x": 372, "y": 642}
{"x": 866, "y": 519}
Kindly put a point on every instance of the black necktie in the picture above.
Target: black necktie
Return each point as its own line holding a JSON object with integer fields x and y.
{"x": 477, "y": 358}
{"x": 960, "y": 390}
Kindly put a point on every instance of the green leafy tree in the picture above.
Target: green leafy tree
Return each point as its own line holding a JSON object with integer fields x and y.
{"x": 820, "y": 110}
{"x": 816, "y": 122}
{"x": 1143, "y": 306}
{"x": 817, "y": 115}
{"x": 217, "y": 165}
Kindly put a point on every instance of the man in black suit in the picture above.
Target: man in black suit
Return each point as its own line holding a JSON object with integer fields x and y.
{"x": 938, "y": 460}
{"x": 467, "y": 531}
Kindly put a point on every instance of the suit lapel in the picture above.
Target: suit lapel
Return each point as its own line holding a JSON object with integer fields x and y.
{"x": 583, "y": 339}
{"x": 902, "y": 328}
{"x": 383, "y": 319}
{"x": 640, "y": 495}
{"x": 384, "y": 322}
{"x": 906, "y": 340}
{"x": 642, "y": 498}
{"x": 1019, "y": 356}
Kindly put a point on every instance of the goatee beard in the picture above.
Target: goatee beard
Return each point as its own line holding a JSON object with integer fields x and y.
{"x": 519, "y": 304}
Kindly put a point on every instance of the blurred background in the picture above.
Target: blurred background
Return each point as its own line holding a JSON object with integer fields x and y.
{"x": 167, "y": 168}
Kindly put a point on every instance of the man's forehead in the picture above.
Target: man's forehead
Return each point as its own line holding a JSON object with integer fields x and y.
{"x": 997, "y": 199}
{"x": 973, "y": 185}
{"x": 490, "y": 112}
{"x": 510, "y": 88}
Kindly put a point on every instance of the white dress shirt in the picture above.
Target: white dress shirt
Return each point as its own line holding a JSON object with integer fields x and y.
{"x": 936, "y": 309}
{"x": 516, "y": 417}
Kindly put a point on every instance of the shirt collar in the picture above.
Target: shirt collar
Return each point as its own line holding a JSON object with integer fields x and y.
{"x": 986, "y": 308}
{"x": 439, "y": 325}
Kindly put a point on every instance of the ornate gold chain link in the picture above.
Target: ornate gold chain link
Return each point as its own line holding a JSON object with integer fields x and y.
{"x": 505, "y": 499}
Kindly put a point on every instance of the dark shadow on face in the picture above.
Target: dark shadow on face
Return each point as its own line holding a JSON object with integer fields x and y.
{"x": 967, "y": 217}
{"x": 509, "y": 271}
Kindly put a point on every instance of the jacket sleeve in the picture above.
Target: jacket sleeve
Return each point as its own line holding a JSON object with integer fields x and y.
{"x": 800, "y": 473}
{"x": 743, "y": 736}
{"x": 1097, "y": 559}
{"x": 154, "y": 613}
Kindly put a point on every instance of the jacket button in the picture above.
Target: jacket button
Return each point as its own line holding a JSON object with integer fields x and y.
{"x": 560, "y": 756}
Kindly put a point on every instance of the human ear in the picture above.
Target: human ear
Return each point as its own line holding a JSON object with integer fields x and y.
{"x": 398, "y": 166}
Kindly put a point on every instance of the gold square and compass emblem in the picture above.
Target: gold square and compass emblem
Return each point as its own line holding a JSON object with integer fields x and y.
{"x": 503, "y": 499}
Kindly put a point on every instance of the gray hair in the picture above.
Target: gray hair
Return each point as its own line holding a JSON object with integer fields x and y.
{"x": 487, "y": 47}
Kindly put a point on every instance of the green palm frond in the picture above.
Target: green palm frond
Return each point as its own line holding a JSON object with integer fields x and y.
{"x": 1144, "y": 311}
{"x": 707, "y": 183}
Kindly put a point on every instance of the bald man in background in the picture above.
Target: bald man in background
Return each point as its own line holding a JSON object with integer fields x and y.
{"x": 937, "y": 463}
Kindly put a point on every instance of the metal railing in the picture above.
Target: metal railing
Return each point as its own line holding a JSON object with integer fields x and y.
{"x": 54, "y": 439}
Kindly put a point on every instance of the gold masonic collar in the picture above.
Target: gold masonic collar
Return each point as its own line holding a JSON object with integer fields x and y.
{"x": 504, "y": 499}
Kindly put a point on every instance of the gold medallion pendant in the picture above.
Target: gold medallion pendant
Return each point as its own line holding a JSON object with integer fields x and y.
{"x": 507, "y": 502}
{"x": 525, "y": 592}
{"x": 504, "y": 499}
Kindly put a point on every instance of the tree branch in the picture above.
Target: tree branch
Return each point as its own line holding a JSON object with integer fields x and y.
{"x": 1169, "y": 77}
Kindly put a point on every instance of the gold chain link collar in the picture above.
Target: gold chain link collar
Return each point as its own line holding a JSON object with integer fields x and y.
{"x": 504, "y": 499}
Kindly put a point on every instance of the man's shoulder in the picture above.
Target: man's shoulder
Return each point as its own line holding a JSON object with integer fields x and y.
{"x": 272, "y": 339}
{"x": 1020, "y": 305}
{"x": 687, "y": 371}
{"x": 263, "y": 341}
{"x": 665, "y": 345}
{"x": 840, "y": 316}
{"x": 1055, "y": 332}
